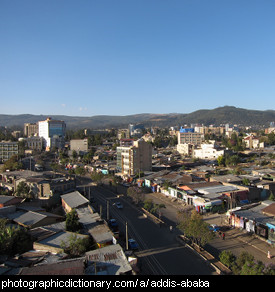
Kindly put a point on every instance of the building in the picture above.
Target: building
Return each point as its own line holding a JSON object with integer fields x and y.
{"x": 208, "y": 151}
{"x": 189, "y": 136}
{"x": 73, "y": 200}
{"x": 8, "y": 149}
{"x": 252, "y": 142}
{"x": 134, "y": 158}
{"x": 34, "y": 143}
{"x": 53, "y": 133}
{"x": 79, "y": 145}
{"x": 30, "y": 129}
{"x": 186, "y": 149}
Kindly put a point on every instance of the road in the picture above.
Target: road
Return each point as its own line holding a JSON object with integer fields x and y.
{"x": 159, "y": 251}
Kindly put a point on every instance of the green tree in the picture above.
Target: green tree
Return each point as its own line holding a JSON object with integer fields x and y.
{"x": 76, "y": 246}
{"x": 271, "y": 196}
{"x": 246, "y": 181}
{"x": 72, "y": 221}
{"x": 227, "y": 258}
{"x": 12, "y": 164}
{"x": 97, "y": 176}
{"x": 24, "y": 190}
{"x": 194, "y": 227}
{"x": 271, "y": 138}
{"x": 245, "y": 264}
{"x": 221, "y": 160}
{"x": 13, "y": 240}
{"x": 80, "y": 171}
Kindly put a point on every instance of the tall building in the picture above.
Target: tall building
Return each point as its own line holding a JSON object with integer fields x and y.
{"x": 7, "y": 150}
{"x": 30, "y": 129}
{"x": 53, "y": 133}
{"x": 188, "y": 139}
{"x": 135, "y": 157}
{"x": 189, "y": 136}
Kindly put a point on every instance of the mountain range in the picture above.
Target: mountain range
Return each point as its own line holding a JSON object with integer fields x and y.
{"x": 217, "y": 116}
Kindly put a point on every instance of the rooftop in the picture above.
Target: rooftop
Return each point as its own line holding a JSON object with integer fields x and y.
{"x": 74, "y": 199}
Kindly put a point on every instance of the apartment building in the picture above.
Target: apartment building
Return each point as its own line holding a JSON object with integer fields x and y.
{"x": 7, "y": 150}
{"x": 34, "y": 143}
{"x": 188, "y": 139}
{"x": 30, "y": 129}
{"x": 135, "y": 157}
{"x": 52, "y": 132}
{"x": 189, "y": 136}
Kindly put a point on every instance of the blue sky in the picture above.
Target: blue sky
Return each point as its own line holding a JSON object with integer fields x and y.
{"x": 121, "y": 57}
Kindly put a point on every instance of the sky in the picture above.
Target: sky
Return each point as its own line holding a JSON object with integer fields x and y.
{"x": 123, "y": 57}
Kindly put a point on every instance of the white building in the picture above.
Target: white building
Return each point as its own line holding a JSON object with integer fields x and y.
{"x": 208, "y": 151}
{"x": 52, "y": 132}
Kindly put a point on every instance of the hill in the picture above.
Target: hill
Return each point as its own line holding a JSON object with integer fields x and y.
{"x": 221, "y": 115}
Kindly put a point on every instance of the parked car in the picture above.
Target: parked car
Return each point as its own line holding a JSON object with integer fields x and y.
{"x": 119, "y": 205}
{"x": 214, "y": 227}
{"x": 132, "y": 244}
{"x": 113, "y": 223}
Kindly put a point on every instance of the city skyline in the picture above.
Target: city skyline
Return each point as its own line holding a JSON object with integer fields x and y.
{"x": 88, "y": 58}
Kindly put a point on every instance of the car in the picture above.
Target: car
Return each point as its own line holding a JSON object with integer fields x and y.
{"x": 132, "y": 244}
{"x": 119, "y": 205}
{"x": 214, "y": 227}
{"x": 113, "y": 223}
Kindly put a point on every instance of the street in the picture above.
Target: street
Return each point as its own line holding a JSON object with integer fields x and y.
{"x": 159, "y": 251}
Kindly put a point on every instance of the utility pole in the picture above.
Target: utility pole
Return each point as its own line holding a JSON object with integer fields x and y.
{"x": 100, "y": 211}
{"x": 108, "y": 215}
{"x": 126, "y": 232}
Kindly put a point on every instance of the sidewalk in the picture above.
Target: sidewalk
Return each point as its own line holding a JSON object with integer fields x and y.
{"x": 237, "y": 240}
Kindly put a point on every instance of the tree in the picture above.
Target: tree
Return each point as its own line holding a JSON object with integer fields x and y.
{"x": 221, "y": 160}
{"x": 152, "y": 207}
{"x": 195, "y": 228}
{"x": 13, "y": 164}
{"x": 246, "y": 181}
{"x": 13, "y": 240}
{"x": 271, "y": 196}
{"x": 76, "y": 246}
{"x": 97, "y": 176}
{"x": 24, "y": 190}
{"x": 72, "y": 221}
{"x": 271, "y": 138}
{"x": 136, "y": 194}
{"x": 227, "y": 258}
{"x": 245, "y": 264}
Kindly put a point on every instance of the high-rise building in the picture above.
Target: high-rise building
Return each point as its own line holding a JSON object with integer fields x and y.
{"x": 53, "y": 133}
{"x": 132, "y": 159}
{"x": 30, "y": 129}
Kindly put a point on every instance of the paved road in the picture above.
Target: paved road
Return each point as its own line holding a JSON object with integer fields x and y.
{"x": 160, "y": 253}
{"x": 236, "y": 240}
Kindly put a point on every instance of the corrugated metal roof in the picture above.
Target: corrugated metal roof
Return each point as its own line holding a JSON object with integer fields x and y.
{"x": 217, "y": 189}
{"x": 74, "y": 199}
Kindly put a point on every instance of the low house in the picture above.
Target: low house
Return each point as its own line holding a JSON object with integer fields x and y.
{"x": 73, "y": 200}
{"x": 41, "y": 184}
{"x": 53, "y": 243}
{"x": 102, "y": 234}
{"x": 109, "y": 260}
{"x": 6, "y": 201}
{"x": 257, "y": 218}
{"x": 32, "y": 219}
{"x": 64, "y": 267}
